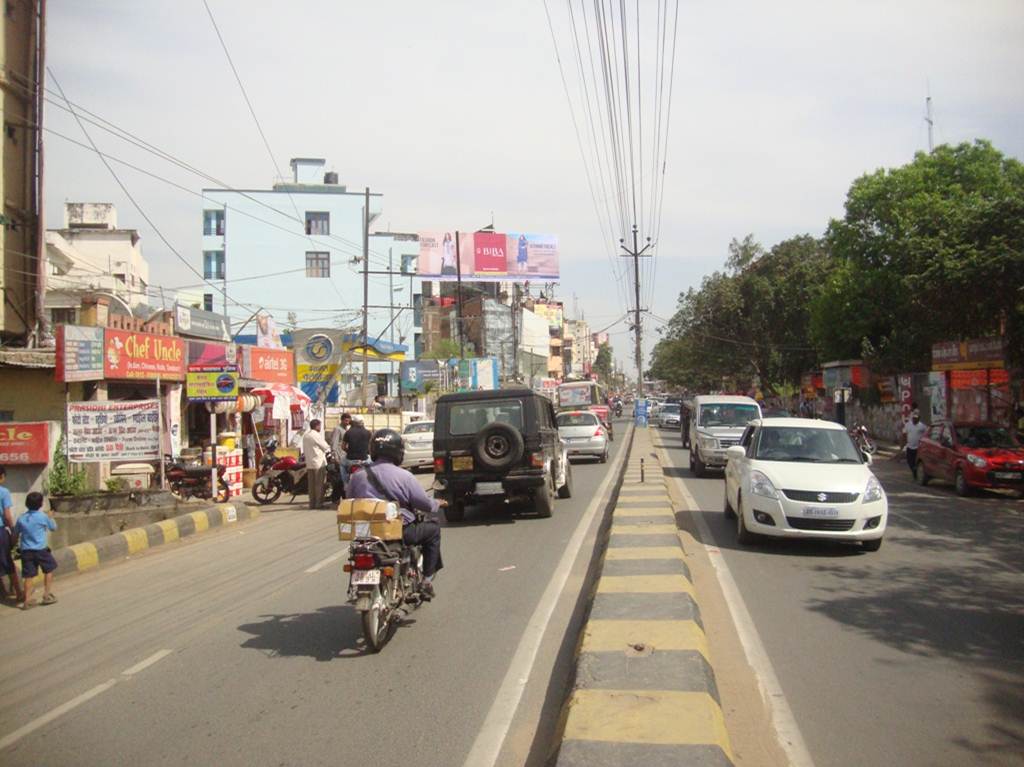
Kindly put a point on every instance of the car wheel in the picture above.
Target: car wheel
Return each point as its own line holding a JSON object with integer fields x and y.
{"x": 691, "y": 462}
{"x": 699, "y": 467}
{"x": 455, "y": 512}
{"x": 565, "y": 491}
{"x": 874, "y": 545}
{"x": 743, "y": 536}
{"x": 544, "y": 499}
{"x": 921, "y": 474}
{"x": 604, "y": 457}
{"x": 962, "y": 488}
{"x": 729, "y": 510}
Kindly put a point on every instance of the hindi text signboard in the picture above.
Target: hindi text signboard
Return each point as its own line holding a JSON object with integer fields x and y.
{"x": 211, "y": 384}
{"x": 79, "y": 353}
{"x": 113, "y": 431}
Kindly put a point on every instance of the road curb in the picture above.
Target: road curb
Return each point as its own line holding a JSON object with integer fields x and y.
{"x": 88, "y": 555}
{"x": 644, "y": 689}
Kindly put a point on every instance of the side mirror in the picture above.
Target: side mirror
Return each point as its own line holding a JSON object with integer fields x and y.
{"x": 735, "y": 452}
{"x": 868, "y": 459}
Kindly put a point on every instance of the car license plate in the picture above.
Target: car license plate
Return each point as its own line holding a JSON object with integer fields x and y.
{"x": 1007, "y": 475}
{"x": 462, "y": 463}
{"x": 365, "y": 577}
{"x": 818, "y": 511}
{"x": 488, "y": 488}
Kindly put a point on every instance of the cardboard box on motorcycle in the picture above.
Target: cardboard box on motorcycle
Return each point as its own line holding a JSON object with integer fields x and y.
{"x": 365, "y": 517}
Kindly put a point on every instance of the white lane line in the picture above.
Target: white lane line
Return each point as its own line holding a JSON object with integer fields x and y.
{"x": 142, "y": 665}
{"x": 48, "y": 717}
{"x": 908, "y": 520}
{"x": 327, "y": 560}
{"x": 487, "y": 746}
{"x": 786, "y": 728}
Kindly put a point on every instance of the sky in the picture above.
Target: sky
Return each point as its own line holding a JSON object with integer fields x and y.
{"x": 457, "y": 113}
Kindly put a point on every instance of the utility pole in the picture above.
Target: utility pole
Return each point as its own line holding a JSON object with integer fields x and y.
{"x": 636, "y": 255}
{"x": 515, "y": 330}
{"x": 391, "y": 324}
{"x": 458, "y": 297}
{"x": 928, "y": 119}
{"x": 366, "y": 290}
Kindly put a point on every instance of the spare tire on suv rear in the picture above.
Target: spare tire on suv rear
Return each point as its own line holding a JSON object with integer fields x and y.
{"x": 498, "y": 446}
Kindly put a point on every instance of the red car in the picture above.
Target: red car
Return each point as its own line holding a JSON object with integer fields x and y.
{"x": 971, "y": 455}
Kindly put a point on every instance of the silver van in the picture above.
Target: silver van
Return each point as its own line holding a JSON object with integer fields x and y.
{"x": 717, "y": 422}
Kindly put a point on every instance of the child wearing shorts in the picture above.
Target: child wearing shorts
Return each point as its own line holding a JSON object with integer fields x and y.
{"x": 33, "y": 527}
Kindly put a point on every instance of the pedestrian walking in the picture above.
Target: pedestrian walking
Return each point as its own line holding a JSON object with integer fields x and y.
{"x": 7, "y": 540}
{"x": 314, "y": 451}
{"x": 913, "y": 431}
{"x": 33, "y": 528}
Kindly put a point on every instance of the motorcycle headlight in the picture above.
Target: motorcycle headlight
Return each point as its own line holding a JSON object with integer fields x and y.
{"x": 761, "y": 485}
{"x": 977, "y": 460}
{"x": 873, "y": 492}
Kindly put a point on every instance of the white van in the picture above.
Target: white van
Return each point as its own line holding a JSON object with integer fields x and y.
{"x": 717, "y": 422}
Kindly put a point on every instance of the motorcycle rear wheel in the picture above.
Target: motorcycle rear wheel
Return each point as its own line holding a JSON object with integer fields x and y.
{"x": 223, "y": 491}
{"x": 377, "y": 624}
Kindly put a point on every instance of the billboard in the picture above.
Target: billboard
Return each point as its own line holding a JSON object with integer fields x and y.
{"x": 79, "y": 353}
{"x": 25, "y": 443}
{"x": 267, "y": 365}
{"x": 211, "y": 384}
{"x": 415, "y": 374}
{"x": 200, "y": 324}
{"x": 488, "y": 256}
{"x": 113, "y": 431}
{"x": 131, "y": 356}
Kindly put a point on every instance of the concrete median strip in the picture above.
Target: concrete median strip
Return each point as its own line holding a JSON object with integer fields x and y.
{"x": 91, "y": 554}
{"x": 644, "y": 691}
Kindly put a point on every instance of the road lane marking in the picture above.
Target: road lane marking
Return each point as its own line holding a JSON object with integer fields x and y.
{"x": 55, "y": 713}
{"x": 786, "y": 728}
{"x": 327, "y": 560}
{"x": 142, "y": 665}
{"x": 489, "y": 741}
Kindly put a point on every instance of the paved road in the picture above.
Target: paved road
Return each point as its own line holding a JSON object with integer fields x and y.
{"x": 913, "y": 655}
{"x": 236, "y": 648}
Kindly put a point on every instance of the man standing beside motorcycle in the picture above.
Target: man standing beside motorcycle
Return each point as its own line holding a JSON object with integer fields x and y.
{"x": 355, "y": 446}
{"x": 385, "y": 479}
{"x": 314, "y": 451}
{"x": 337, "y": 436}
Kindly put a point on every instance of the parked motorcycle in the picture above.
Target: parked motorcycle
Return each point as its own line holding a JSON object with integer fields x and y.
{"x": 287, "y": 475}
{"x": 861, "y": 439}
{"x": 192, "y": 480}
{"x": 386, "y": 581}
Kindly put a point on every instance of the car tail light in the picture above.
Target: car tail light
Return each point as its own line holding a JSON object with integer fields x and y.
{"x": 537, "y": 460}
{"x": 599, "y": 432}
{"x": 364, "y": 561}
{"x": 439, "y": 465}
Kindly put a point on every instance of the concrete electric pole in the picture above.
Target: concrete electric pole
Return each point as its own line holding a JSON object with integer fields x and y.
{"x": 636, "y": 255}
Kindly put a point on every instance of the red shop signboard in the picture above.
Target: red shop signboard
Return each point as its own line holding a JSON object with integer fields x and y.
{"x": 24, "y": 443}
{"x": 131, "y": 356}
{"x": 268, "y": 365}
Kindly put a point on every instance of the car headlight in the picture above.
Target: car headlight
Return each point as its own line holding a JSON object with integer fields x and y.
{"x": 709, "y": 443}
{"x": 873, "y": 492}
{"x": 761, "y": 485}
{"x": 977, "y": 460}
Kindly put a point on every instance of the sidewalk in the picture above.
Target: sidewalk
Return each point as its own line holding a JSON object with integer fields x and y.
{"x": 645, "y": 690}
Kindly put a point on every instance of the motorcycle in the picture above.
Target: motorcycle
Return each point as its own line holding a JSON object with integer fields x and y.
{"x": 861, "y": 439}
{"x": 618, "y": 410}
{"x": 287, "y": 475}
{"x": 192, "y": 480}
{"x": 385, "y": 581}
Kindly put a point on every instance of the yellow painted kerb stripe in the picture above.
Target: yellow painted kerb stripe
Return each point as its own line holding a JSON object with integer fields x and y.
{"x": 667, "y": 717}
{"x": 641, "y": 511}
{"x": 644, "y": 584}
{"x": 170, "y": 528}
{"x": 611, "y": 635}
{"x": 643, "y": 529}
{"x": 86, "y": 555}
{"x": 136, "y": 539}
{"x": 201, "y": 520}
{"x": 644, "y": 552}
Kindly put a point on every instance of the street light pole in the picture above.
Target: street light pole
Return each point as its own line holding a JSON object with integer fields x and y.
{"x": 636, "y": 255}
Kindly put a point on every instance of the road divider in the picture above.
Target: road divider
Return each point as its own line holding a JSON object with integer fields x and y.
{"x": 90, "y": 554}
{"x": 644, "y": 690}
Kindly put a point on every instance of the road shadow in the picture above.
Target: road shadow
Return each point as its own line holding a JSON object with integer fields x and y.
{"x": 327, "y": 634}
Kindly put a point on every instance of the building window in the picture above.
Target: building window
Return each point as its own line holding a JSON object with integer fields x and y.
{"x": 213, "y": 264}
{"x": 213, "y": 222}
{"x": 6, "y": 416}
{"x": 318, "y": 264}
{"x": 63, "y": 316}
{"x": 409, "y": 264}
{"x": 318, "y": 223}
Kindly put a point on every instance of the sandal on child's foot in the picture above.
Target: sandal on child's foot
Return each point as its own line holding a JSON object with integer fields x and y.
{"x": 49, "y": 599}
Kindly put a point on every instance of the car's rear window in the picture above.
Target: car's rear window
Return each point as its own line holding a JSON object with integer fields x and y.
{"x": 419, "y": 428}
{"x": 471, "y": 417}
{"x": 577, "y": 419}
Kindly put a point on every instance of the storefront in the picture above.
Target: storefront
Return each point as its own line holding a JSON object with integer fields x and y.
{"x": 973, "y": 380}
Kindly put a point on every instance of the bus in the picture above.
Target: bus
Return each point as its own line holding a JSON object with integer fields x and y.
{"x": 584, "y": 395}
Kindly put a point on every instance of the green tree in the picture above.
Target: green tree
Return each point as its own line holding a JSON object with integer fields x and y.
{"x": 444, "y": 349}
{"x": 929, "y": 251}
{"x": 603, "y": 363}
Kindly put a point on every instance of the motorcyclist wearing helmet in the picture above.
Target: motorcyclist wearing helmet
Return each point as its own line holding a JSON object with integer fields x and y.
{"x": 385, "y": 479}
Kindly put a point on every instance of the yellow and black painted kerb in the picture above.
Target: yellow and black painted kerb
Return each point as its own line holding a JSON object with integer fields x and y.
{"x": 645, "y": 690}
{"x": 85, "y": 556}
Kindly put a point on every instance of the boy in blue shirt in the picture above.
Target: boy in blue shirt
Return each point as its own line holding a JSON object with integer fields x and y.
{"x": 32, "y": 528}
{"x": 7, "y": 539}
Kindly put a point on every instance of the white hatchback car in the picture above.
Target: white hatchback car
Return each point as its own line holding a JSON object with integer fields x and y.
{"x": 419, "y": 444}
{"x": 803, "y": 478}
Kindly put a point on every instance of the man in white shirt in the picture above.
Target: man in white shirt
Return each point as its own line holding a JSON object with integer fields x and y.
{"x": 314, "y": 451}
{"x": 913, "y": 430}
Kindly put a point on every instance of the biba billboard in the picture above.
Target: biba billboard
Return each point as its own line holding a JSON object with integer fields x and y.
{"x": 488, "y": 256}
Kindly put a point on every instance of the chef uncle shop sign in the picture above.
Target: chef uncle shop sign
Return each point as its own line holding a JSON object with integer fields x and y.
{"x": 128, "y": 356}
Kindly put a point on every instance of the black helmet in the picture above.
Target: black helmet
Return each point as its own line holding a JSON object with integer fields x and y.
{"x": 387, "y": 444}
